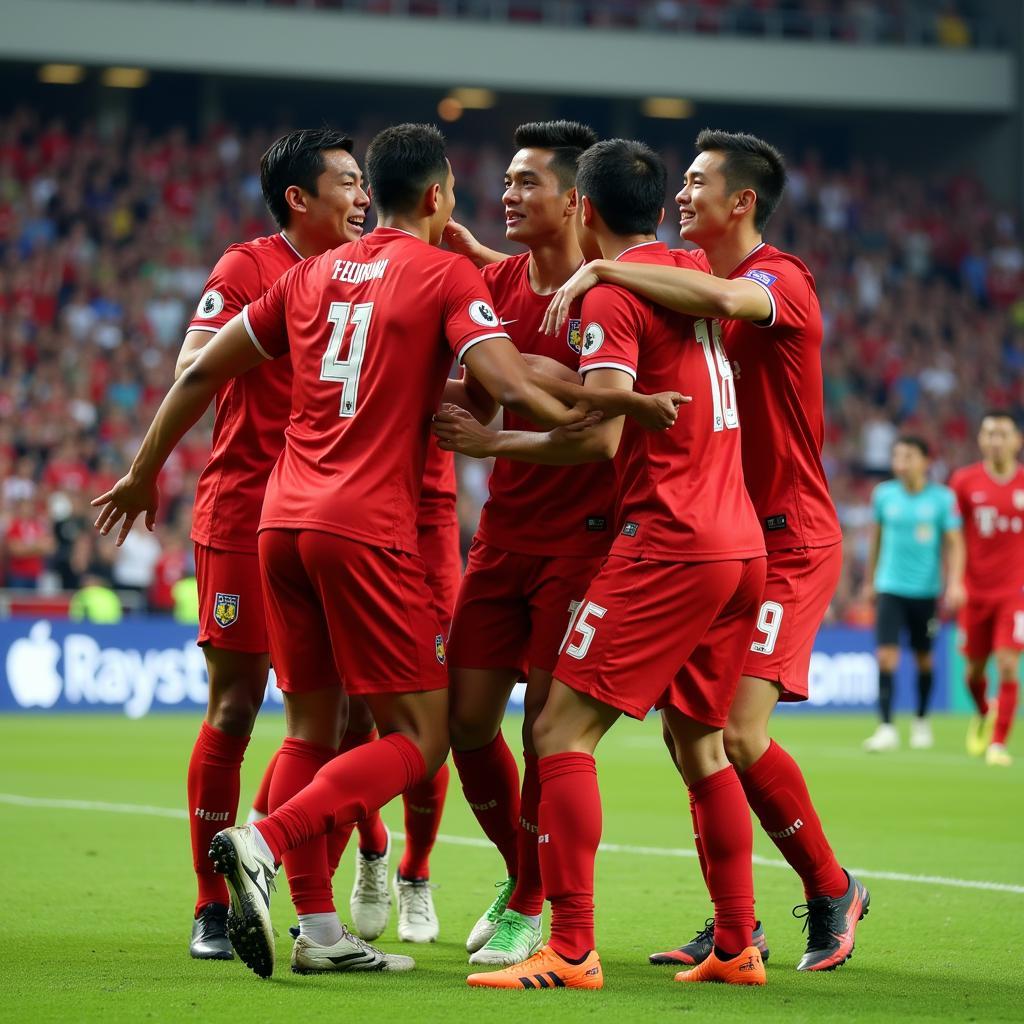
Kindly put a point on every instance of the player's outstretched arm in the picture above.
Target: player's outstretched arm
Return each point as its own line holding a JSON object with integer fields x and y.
{"x": 194, "y": 343}
{"x": 456, "y": 430}
{"x": 460, "y": 239}
{"x": 686, "y": 291}
{"x": 954, "y": 595}
{"x": 469, "y": 394}
{"x": 228, "y": 354}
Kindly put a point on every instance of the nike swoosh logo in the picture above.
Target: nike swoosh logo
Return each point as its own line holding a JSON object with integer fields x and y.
{"x": 255, "y": 876}
{"x": 505, "y": 323}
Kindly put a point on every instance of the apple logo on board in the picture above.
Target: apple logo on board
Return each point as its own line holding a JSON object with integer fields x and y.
{"x": 32, "y": 668}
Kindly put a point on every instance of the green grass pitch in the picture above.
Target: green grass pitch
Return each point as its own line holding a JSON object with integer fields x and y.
{"x": 96, "y": 905}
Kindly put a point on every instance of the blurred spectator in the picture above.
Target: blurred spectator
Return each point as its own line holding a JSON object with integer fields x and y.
{"x": 95, "y": 602}
{"x": 29, "y": 542}
{"x": 185, "y": 595}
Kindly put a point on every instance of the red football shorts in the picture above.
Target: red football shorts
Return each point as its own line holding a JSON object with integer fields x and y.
{"x": 513, "y": 609}
{"x": 338, "y": 609}
{"x": 439, "y": 549}
{"x": 664, "y": 634}
{"x": 231, "y": 615}
{"x": 797, "y": 594}
{"x": 992, "y": 624}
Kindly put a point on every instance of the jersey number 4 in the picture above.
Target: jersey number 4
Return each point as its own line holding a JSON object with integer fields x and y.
{"x": 723, "y": 387}
{"x": 346, "y": 371}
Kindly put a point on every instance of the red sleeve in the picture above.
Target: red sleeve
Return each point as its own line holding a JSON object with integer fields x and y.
{"x": 265, "y": 319}
{"x": 787, "y": 291}
{"x": 468, "y": 309}
{"x": 613, "y": 323}
{"x": 233, "y": 282}
{"x": 688, "y": 260}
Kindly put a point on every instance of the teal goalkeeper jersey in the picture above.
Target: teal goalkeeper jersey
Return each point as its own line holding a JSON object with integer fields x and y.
{"x": 913, "y": 526}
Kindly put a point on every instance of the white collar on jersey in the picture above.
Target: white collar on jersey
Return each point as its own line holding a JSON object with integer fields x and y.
{"x": 639, "y": 245}
{"x": 288, "y": 242}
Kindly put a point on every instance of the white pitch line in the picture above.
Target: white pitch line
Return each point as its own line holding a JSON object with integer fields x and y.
{"x": 477, "y": 842}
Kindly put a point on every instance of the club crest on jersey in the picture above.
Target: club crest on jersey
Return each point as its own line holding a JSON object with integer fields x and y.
{"x": 593, "y": 339}
{"x": 482, "y": 314}
{"x": 225, "y": 610}
{"x": 210, "y": 304}
{"x": 439, "y": 649}
{"x": 575, "y": 337}
{"x": 762, "y": 277}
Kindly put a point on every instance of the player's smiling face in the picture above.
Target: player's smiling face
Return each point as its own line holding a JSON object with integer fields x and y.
{"x": 536, "y": 206}
{"x": 336, "y": 214}
{"x": 705, "y": 204}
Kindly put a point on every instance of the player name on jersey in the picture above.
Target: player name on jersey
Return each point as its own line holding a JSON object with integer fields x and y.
{"x": 357, "y": 273}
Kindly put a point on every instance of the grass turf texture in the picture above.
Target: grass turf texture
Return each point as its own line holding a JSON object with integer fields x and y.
{"x": 97, "y": 905}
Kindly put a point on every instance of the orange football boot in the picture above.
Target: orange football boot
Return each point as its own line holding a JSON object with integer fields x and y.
{"x": 745, "y": 969}
{"x": 545, "y": 969}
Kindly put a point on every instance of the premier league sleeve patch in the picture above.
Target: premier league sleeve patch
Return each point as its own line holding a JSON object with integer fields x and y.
{"x": 575, "y": 336}
{"x": 593, "y": 339}
{"x": 225, "y": 610}
{"x": 210, "y": 304}
{"x": 481, "y": 313}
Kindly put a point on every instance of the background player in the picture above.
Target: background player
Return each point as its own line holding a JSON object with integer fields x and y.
{"x": 771, "y": 330}
{"x": 676, "y": 598}
{"x": 543, "y": 533}
{"x": 345, "y": 587}
{"x": 309, "y": 182}
{"x": 991, "y": 498}
{"x": 916, "y": 521}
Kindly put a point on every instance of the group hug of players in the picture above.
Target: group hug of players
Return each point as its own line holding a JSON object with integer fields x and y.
{"x": 635, "y": 551}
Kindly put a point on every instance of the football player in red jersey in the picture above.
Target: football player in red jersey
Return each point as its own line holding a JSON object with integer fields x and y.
{"x": 676, "y": 600}
{"x": 371, "y": 328}
{"x": 543, "y": 533}
{"x": 308, "y": 182}
{"x": 990, "y": 494}
{"x": 763, "y": 306}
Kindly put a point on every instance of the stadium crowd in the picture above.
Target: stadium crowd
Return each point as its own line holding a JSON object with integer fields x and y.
{"x": 105, "y": 244}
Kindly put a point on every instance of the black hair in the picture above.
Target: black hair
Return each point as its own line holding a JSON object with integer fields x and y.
{"x": 752, "y": 163}
{"x": 296, "y": 159}
{"x": 625, "y": 180}
{"x": 1001, "y": 414}
{"x": 402, "y": 162}
{"x": 913, "y": 441}
{"x": 566, "y": 139}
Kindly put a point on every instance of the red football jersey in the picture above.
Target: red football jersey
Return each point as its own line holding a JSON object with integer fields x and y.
{"x": 777, "y": 369}
{"x": 993, "y": 514}
{"x": 682, "y": 497}
{"x": 543, "y": 510}
{"x": 251, "y": 410}
{"x": 371, "y": 328}
{"x": 437, "y": 496}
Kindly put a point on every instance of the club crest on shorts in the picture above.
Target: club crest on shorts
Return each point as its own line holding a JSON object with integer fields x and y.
{"x": 225, "y": 610}
{"x": 575, "y": 336}
{"x": 439, "y": 649}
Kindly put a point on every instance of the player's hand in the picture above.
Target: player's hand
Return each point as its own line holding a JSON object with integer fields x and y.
{"x": 660, "y": 411}
{"x": 460, "y": 239}
{"x": 128, "y": 498}
{"x": 561, "y": 302}
{"x": 458, "y": 431}
{"x": 954, "y": 598}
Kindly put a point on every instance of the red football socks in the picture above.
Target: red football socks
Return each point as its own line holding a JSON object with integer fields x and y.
{"x": 778, "y": 795}
{"x": 490, "y": 780}
{"x": 261, "y": 801}
{"x": 978, "y": 687}
{"x": 373, "y": 836}
{"x": 424, "y": 803}
{"x": 528, "y": 896}
{"x": 696, "y": 839}
{"x": 214, "y": 771}
{"x": 570, "y": 831}
{"x": 723, "y": 824}
{"x": 1005, "y": 710}
{"x": 306, "y": 865}
{"x": 346, "y": 789}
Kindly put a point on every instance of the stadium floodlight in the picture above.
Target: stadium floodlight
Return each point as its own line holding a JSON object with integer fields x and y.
{"x": 61, "y": 74}
{"x": 474, "y": 99}
{"x": 125, "y": 78}
{"x": 449, "y": 109}
{"x": 669, "y": 107}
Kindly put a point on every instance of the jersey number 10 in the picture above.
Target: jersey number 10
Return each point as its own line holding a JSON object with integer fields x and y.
{"x": 723, "y": 387}
{"x": 346, "y": 371}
